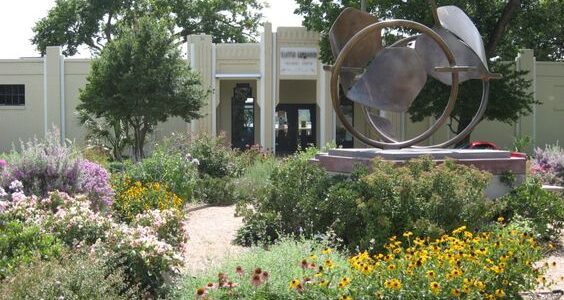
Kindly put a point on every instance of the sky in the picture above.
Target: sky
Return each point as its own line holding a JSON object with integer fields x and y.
{"x": 17, "y": 18}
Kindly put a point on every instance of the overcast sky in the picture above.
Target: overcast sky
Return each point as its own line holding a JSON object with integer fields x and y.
{"x": 17, "y": 18}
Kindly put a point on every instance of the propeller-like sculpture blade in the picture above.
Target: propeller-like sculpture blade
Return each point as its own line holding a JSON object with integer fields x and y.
{"x": 433, "y": 56}
{"x": 392, "y": 80}
{"x": 349, "y": 23}
{"x": 457, "y": 22}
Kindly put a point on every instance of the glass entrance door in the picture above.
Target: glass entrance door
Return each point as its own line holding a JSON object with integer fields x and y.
{"x": 295, "y": 126}
{"x": 242, "y": 117}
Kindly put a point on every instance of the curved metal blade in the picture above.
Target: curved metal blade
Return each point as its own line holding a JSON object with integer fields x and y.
{"x": 392, "y": 81}
{"x": 457, "y": 22}
{"x": 433, "y": 57}
{"x": 349, "y": 23}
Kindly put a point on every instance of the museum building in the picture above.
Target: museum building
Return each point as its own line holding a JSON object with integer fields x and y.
{"x": 274, "y": 93}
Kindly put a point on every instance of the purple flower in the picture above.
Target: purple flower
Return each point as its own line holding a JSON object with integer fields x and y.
{"x": 3, "y": 164}
{"x": 95, "y": 181}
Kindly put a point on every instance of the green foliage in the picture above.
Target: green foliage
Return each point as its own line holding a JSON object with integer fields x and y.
{"x": 215, "y": 157}
{"x": 216, "y": 190}
{"x": 419, "y": 196}
{"x": 20, "y": 243}
{"x": 167, "y": 167}
{"x": 281, "y": 261}
{"x": 74, "y": 276}
{"x": 141, "y": 79}
{"x": 544, "y": 209}
{"x": 74, "y": 23}
{"x": 460, "y": 264}
{"x": 134, "y": 198}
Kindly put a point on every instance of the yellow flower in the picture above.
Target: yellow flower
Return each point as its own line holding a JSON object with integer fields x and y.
{"x": 407, "y": 234}
{"x": 329, "y": 264}
{"x": 344, "y": 282}
{"x": 345, "y": 298}
{"x": 499, "y": 293}
{"x": 393, "y": 284}
{"x": 455, "y": 292}
{"x": 500, "y": 219}
{"x": 294, "y": 284}
{"x": 323, "y": 283}
{"x": 391, "y": 267}
{"x": 327, "y": 251}
{"x": 435, "y": 287}
{"x": 431, "y": 274}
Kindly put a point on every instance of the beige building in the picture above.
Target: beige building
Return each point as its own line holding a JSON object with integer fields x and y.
{"x": 274, "y": 93}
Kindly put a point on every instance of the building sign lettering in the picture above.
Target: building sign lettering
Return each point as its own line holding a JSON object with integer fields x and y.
{"x": 298, "y": 61}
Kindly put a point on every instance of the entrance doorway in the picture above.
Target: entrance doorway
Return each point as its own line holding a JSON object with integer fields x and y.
{"x": 242, "y": 116}
{"x": 295, "y": 127}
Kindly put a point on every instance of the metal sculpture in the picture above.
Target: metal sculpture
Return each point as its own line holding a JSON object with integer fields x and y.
{"x": 390, "y": 78}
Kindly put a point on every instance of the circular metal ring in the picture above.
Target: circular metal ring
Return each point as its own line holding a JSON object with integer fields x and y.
{"x": 349, "y": 47}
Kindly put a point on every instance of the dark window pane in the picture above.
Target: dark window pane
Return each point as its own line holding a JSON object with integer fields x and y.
{"x": 12, "y": 94}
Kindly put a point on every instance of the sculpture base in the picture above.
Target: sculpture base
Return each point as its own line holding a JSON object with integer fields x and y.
{"x": 496, "y": 162}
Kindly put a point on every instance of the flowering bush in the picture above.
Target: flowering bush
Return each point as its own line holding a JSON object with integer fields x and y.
{"x": 462, "y": 264}
{"x": 178, "y": 171}
{"x": 95, "y": 181}
{"x": 134, "y": 198}
{"x": 45, "y": 166}
{"x": 150, "y": 252}
{"x": 548, "y": 164}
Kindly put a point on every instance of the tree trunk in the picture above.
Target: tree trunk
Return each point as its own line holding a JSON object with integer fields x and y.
{"x": 462, "y": 124}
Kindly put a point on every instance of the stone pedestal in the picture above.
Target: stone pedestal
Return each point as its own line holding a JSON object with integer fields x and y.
{"x": 496, "y": 162}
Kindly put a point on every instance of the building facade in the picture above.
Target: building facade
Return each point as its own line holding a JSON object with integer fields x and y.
{"x": 274, "y": 93}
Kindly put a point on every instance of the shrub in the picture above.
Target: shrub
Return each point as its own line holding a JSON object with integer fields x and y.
{"x": 44, "y": 166}
{"x": 216, "y": 159}
{"x": 418, "y": 196}
{"x": 548, "y": 164}
{"x": 19, "y": 243}
{"x": 216, "y": 190}
{"x": 47, "y": 165}
{"x": 134, "y": 198}
{"x": 74, "y": 276}
{"x": 173, "y": 169}
{"x": 149, "y": 249}
{"x": 544, "y": 209}
{"x": 95, "y": 181}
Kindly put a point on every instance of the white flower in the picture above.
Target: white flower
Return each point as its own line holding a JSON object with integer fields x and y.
{"x": 196, "y": 162}
{"x": 3, "y": 193}
{"x": 16, "y": 186}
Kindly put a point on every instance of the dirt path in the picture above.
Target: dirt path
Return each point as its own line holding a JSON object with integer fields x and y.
{"x": 211, "y": 230}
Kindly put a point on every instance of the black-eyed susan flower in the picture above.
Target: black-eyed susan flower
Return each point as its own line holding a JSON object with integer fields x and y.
{"x": 327, "y": 251}
{"x": 435, "y": 287}
{"x": 499, "y": 293}
{"x": 295, "y": 283}
{"x": 455, "y": 292}
{"x": 431, "y": 274}
{"x": 391, "y": 267}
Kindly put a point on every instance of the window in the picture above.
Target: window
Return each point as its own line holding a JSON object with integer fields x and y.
{"x": 12, "y": 94}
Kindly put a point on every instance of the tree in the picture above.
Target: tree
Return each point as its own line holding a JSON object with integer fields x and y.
{"x": 93, "y": 23}
{"x": 506, "y": 26}
{"x": 140, "y": 79}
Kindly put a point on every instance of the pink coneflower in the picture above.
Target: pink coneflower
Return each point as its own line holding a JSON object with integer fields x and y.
{"x": 222, "y": 279}
{"x": 231, "y": 284}
{"x": 265, "y": 276}
{"x": 201, "y": 293}
{"x": 305, "y": 264}
{"x": 211, "y": 286}
{"x": 256, "y": 280}
{"x": 258, "y": 271}
{"x": 239, "y": 270}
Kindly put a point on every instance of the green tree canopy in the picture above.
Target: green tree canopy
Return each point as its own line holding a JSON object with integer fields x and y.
{"x": 92, "y": 23}
{"x": 140, "y": 79}
{"x": 506, "y": 26}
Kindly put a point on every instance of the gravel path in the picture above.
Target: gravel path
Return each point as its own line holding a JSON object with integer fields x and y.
{"x": 211, "y": 230}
